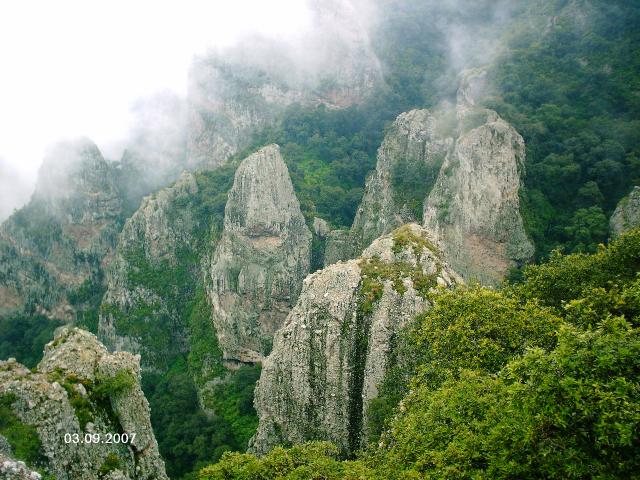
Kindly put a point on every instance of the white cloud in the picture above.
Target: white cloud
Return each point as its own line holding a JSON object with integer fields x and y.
{"x": 74, "y": 67}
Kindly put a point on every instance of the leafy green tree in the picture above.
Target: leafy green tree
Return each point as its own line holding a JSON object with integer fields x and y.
{"x": 573, "y": 412}
{"x": 587, "y": 229}
{"x": 313, "y": 460}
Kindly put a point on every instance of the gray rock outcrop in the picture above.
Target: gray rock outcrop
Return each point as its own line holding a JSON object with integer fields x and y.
{"x": 339, "y": 245}
{"x": 474, "y": 207}
{"x": 82, "y": 390}
{"x": 626, "y": 215}
{"x": 150, "y": 240}
{"x": 457, "y": 170}
{"x": 61, "y": 238}
{"x": 413, "y": 150}
{"x": 332, "y": 353}
{"x": 12, "y": 469}
{"x": 264, "y": 254}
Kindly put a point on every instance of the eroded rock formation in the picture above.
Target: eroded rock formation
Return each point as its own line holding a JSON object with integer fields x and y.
{"x": 333, "y": 351}
{"x": 60, "y": 239}
{"x": 457, "y": 170}
{"x": 259, "y": 264}
{"x": 80, "y": 389}
{"x": 150, "y": 241}
{"x": 474, "y": 207}
{"x": 627, "y": 214}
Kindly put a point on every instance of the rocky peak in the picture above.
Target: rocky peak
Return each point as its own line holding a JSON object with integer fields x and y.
{"x": 50, "y": 247}
{"x": 412, "y": 149}
{"x": 80, "y": 389}
{"x": 77, "y": 183}
{"x": 150, "y": 240}
{"x": 264, "y": 254}
{"x": 474, "y": 207}
{"x": 627, "y": 214}
{"x": 334, "y": 348}
{"x": 458, "y": 171}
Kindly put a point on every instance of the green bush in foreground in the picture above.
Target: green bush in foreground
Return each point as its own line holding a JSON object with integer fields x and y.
{"x": 538, "y": 380}
{"x": 570, "y": 413}
{"x": 307, "y": 461}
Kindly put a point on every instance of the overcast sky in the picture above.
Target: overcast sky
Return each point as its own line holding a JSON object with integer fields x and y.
{"x": 74, "y": 67}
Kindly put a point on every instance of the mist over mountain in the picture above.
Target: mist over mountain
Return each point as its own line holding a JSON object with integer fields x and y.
{"x": 332, "y": 239}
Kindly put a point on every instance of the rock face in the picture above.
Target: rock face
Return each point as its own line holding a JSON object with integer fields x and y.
{"x": 474, "y": 208}
{"x": 151, "y": 239}
{"x": 457, "y": 170}
{"x": 627, "y": 214}
{"x": 259, "y": 264}
{"x": 79, "y": 388}
{"x": 12, "y": 469}
{"x": 59, "y": 240}
{"x": 412, "y": 150}
{"x": 235, "y": 93}
{"x": 333, "y": 351}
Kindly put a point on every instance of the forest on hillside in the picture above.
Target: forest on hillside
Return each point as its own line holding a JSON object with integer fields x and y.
{"x": 537, "y": 378}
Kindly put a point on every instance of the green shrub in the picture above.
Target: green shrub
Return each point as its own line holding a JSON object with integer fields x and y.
{"x": 573, "y": 412}
{"x": 23, "y": 438}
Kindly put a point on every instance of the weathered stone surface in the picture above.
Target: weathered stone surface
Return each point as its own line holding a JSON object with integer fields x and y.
{"x": 627, "y": 214}
{"x": 412, "y": 145}
{"x": 151, "y": 238}
{"x": 58, "y": 241}
{"x": 12, "y": 469}
{"x": 332, "y": 352}
{"x": 469, "y": 162}
{"x": 339, "y": 246}
{"x": 77, "y": 378}
{"x": 474, "y": 208}
{"x": 321, "y": 227}
{"x": 264, "y": 254}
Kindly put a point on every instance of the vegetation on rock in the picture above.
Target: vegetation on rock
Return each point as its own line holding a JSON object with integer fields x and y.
{"x": 535, "y": 380}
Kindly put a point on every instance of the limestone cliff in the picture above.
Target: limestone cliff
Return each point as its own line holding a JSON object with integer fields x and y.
{"x": 60, "y": 239}
{"x": 413, "y": 150}
{"x": 80, "y": 389}
{"x": 474, "y": 207}
{"x": 458, "y": 171}
{"x": 627, "y": 214}
{"x": 234, "y": 93}
{"x": 152, "y": 239}
{"x": 264, "y": 254}
{"x": 333, "y": 351}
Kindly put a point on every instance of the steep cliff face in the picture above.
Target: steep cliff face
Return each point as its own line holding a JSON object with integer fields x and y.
{"x": 457, "y": 170}
{"x": 474, "y": 208}
{"x": 627, "y": 214}
{"x": 264, "y": 254}
{"x": 80, "y": 389}
{"x": 412, "y": 152}
{"x": 154, "y": 238}
{"x": 333, "y": 351}
{"x": 60, "y": 239}
{"x": 234, "y": 94}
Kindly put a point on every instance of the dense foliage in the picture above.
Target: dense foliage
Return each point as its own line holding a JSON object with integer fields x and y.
{"x": 23, "y": 337}
{"x": 569, "y": 84}
{"x": 506, "y": 384}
